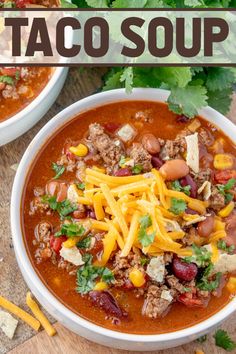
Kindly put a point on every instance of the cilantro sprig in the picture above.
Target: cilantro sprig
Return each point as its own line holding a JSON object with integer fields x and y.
{"x": 88, "y": 274}
{"x": 176, "y": 186}
{"x": 201, "y": 256}
{"x": 70, "y": 230}
{"x": 7, "y": 80}
{"x": 58, "y": 169}
{"x": 137, "y": 169}
{"x": 63, "y": 208}
{"x": 221, "y": 244}
{"x": 223, "y": 340}
{"x": 209, "y": 285}
{"x": 85, "y": 243}
{"x": 178, "y": 206}
{"x": 144, "y": 237}
{"x": 224, "y": 189}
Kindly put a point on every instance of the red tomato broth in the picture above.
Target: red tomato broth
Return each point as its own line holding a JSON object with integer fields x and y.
{"x": 40, "y": 173}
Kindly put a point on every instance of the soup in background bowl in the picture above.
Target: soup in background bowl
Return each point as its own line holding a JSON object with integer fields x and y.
{"x": 123, "y": 222}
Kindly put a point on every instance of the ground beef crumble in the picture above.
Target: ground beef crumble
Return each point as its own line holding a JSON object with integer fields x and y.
{"x": 141, "y": 157}
{"x": 217, "y": 200}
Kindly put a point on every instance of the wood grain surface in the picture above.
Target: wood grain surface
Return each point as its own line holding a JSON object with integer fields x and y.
{"x": 78, "y": 85}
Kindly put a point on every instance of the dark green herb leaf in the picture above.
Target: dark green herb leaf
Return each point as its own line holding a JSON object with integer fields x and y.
{"x": 137, "y": 169}
{"x": 225, "y": 188}
{"x": 80, "y": 186}
{"x": 144, "y": 261}
{"x": 7, "y": 80}
{"x": 178, "y": 206}
{"x": 71, "y": 230}
{"x": 144, "y": 238}
{"x": 223, "y": 340}
{"x": 176, "y": 186}
{"x": 201, "y": 256}
{"x": 85, "y": 243}
{"x": 58, "y": 169}
{"x": 63, "y": 208}
{"x": 221, "y": 244}
{"x": 209, "y": 285}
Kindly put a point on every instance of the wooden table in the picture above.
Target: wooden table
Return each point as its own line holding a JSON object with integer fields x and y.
{"x": 78, "y": 85}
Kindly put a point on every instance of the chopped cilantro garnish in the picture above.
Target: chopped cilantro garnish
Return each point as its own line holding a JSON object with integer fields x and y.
{"x": 137, "y": 169}
{"x": 209, "y": 285}
{"x": 63, "y": 208}
{"x": 187, "y": 290}
{"x": 178, "y": 206}
{"x": 223, "y": 340}
{"x": 176, "y": 186}
{"x": 201, "y": 256}
{"x": 85, "y": 243}
{"x": 80, "y": 186}
{"x": 17, "y": 75}
{"x": 144, "y": 238}
{"x": 88, "y": 273}
{"x": 71, "y": 230}
{"x": 144, "y": 261}
{"x": 59, "y": 170}
{"x": 225, "y": 188}
{"x": 7, "y": 80}
{"x": 221, "y": 244}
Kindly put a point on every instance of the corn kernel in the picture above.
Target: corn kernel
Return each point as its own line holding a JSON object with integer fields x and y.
{"x": 223, "y": 161}
{"x": 231, "y": 285}
{"x": 137, "y": 278}
{"x": 100, "y": 286}
{"x": 99, "y": 169}
{"x": 81, "y": 150}
{"x": 226, "y": 210}
{"x": 71, "y": 242}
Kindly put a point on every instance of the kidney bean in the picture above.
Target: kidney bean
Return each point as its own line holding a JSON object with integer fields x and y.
{"x": 92, "y": 215}
{"x": 189, "y": 181}
{"x": 157, "y": 162}
{"x": 174, "y": 169}
{"x": 151, "y": 143}
{"x": 205, "y": 227}
{"x": 123, "y": 172}
{"x": 107, "y": 302}
{"x": 191, "y": 211}
{"x": 184, "y": 271}
{"x": 111, "y": 127}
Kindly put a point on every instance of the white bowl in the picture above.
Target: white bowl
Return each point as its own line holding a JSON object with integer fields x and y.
{"x": 23, "y": 120}
{"x": 56, "y": 308}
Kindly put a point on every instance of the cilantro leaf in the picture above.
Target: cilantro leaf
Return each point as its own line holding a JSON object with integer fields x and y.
{"x": 87, "y": 274}
{"x": 129, "y": 3}
{"x": 144, "y": 261}
{"x": 209, "y": 285}
{"x": 144, "y": 238}
{"x": 220, "y": 100}
{"x": 223, "y": 340}
{"x": 201, "y": 256}
{"x": 85, "y": 243}
{"x": 59, "y": 170}
{"x": 70, "y": 230}
{"x": 137, "y": 169}
{"x": 7, "y": 80}
{"x": 224, "y": 188}
{"x": 221, "y": 244}
{"x": 80, "y": 186}
{"x": 174, "y": 76}
{"x": 219, "y": 77}
{"x": 152, "y": 4}
{"x": 187, "y": 100}
{"x": 97, "y": 3}
{"x": 67, "y": 4}
{"x": 112, "y": 81}
{"x": 63, "y": 208}
{"x": 176, "y": 186}
{"x": 178, "y": 206}
{"x": 127, "y": 77}
{"x": 193, "y": 3}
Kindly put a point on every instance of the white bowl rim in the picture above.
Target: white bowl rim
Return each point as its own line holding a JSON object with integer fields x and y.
{"x": 21, "y": 253}
{"x": 36, "y": 101}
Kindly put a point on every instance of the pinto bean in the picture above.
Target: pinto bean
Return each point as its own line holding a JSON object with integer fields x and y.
{"x": 174, "y": 169}
{"x": 206, "y": 226}
{"x": 151, "y": 144}
{"x": 107, "y": 302}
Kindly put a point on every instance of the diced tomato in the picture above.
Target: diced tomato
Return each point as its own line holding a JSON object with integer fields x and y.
{"x": 9, "y": 71}
{"x": 222, "y": 177}
{"x": 56, "y": 243}
{"x": 111, "y": 127}
{"x": 22, "y": 3}
{"x": 190, "y": 300}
